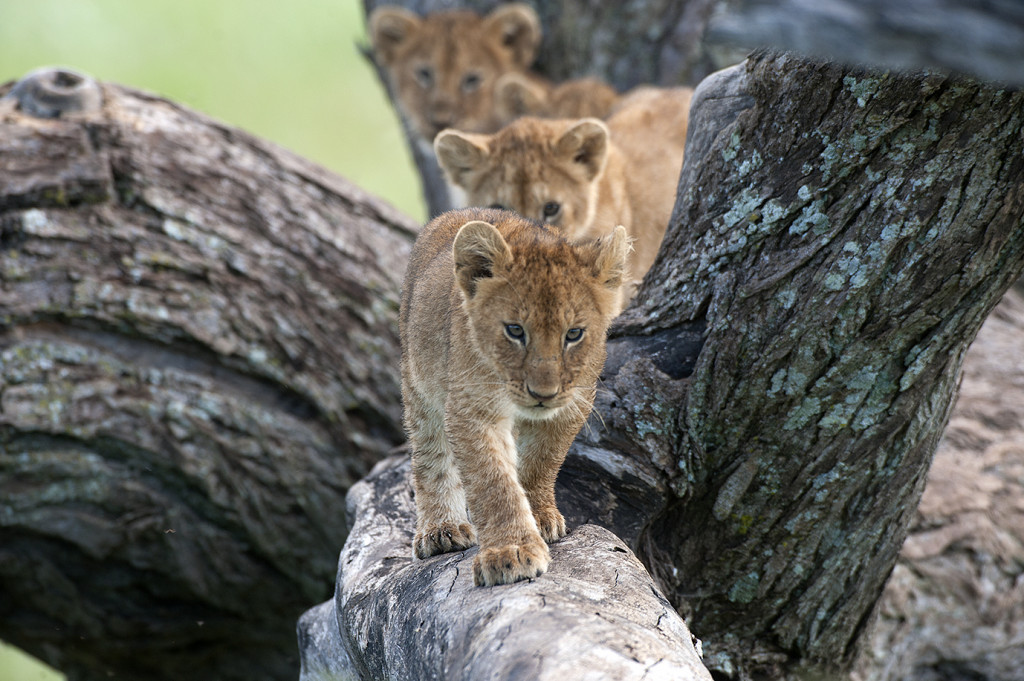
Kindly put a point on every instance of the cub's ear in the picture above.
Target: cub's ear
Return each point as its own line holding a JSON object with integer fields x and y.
{"x": 516, "y": 95}
{"x": 612, "y": 251}
{"x": 390, "y": 27}
{"x": 518, "y": 30}
{"x": 585, "y": 143}
{"x": 479, "y": 250}
{"x": 459, "y": 154}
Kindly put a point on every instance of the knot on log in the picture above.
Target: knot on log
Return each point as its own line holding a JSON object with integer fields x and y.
{"x": 51, "y": 92}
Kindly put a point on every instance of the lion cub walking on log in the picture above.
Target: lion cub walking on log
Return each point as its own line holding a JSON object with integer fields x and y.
{"x": 503, "y": 328}
{"x": 582, "y": 176}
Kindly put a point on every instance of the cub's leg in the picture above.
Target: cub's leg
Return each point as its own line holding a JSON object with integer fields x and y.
{"x": 441, "y": 521}
{"x": 542, "y": 449}
{"x": 511, "y": 548}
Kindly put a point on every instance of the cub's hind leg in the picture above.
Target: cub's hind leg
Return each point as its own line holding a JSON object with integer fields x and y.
{"x": 442, "y": 524}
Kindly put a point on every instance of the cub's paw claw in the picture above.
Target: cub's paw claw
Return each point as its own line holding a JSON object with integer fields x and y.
{"x": 551, "y": 524}
{"x": 442, "y": 538}
{"x": 511, "y": 563}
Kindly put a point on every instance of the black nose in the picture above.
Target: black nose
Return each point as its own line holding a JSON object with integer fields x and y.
{"x": 538, "y": 396}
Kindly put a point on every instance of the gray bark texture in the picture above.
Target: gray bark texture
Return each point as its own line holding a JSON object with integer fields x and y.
{"x": 830, "y": 240}
{"x": 953, "y": 607}
{"x": 981, "y": 39}
{"x": 595, "y": 614}
{"x": 197, "y": 359}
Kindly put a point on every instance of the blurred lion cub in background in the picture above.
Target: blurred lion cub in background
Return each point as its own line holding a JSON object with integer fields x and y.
{"x": 442, "y": 68}
{"x": 457, "y": 69}
{"x": 503, "y": 328}
{"x": 583, "y": 176}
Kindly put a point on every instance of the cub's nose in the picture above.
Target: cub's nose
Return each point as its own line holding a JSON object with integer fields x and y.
{"x": 542, "y": 396}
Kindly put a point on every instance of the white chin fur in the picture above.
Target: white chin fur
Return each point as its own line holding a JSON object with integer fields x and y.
{"x": 537, "y": 413}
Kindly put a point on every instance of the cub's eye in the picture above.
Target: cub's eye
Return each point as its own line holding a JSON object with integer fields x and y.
{"x": 551, "y": 209}
{"x": 573, "y": 335}
{"x": 498, "y": 206}
{"x": 515, "y": 332}
{"x": 424, "y": 76}
{"x": 471, "y": 81}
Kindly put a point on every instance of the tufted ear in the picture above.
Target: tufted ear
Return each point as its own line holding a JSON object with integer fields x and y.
{"x": 516, "y": 95}
{"x": 518, "y": 28}
{"x": 585, "y": 143}
{"x": 390, "y": 27}
{"x": 459, "y": 154}
{"x": 479, "y": 250}
{"x": 612, "y": 251}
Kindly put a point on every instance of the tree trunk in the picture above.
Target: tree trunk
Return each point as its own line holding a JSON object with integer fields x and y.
{"x": 197, "y": 353}
{"x": 912, "y": 34}
{"x": 841, "y": 241}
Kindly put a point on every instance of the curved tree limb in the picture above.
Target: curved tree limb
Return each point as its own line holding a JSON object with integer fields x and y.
{"x": 196, "y": 349}
{"x": 595, "y": 611}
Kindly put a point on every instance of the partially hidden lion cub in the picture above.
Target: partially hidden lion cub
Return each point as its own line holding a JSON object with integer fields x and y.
{"x": 503, "y": 328}
{"x": 518, "y": 94}
{"x": 442, "y": 68}
{"x": 582, "y": 176}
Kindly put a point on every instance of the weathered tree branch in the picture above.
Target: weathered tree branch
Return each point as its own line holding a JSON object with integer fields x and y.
{"x": 197, "y": 346}
{"x": 982, "y": 39}
{"x": 400, "y": 618}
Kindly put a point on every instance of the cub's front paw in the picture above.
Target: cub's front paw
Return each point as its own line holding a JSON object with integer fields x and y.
{"x": 550, "y": 523}
{"x": 442, "y": 538}
{"x": 510, "y": 563}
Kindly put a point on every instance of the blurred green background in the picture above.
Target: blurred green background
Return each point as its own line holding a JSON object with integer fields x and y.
{"x": 289, "y": 72}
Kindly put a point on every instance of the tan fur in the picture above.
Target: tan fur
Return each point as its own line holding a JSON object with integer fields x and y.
{"x": 582, "y": 176}
{"x": 518, "y": 94}
{"x": 442, "y": 68}
{"x": 489, "y": 416}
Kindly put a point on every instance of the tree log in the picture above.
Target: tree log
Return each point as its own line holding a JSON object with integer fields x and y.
{"x": 841, "y": 241}
{"x": 981, "y": 39}
{"x": 595, "y": 612}
{"x": 197, "y": 352}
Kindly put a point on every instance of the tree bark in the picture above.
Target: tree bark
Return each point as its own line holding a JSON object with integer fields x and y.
{"x": 197, "y": 352}
{"x": 841, "y": 241}
{"x": 401, "y": 618}
{"x": 984, "y": 40}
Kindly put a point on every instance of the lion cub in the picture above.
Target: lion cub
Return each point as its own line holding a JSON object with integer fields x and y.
{"x": 582, "y": 176}
{"x": 442, "y": 68}
{"x": 518, "y": 94}
{"x": 503, "y": 328}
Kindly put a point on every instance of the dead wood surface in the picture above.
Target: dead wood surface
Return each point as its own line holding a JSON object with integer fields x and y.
{"x": 595, "y": 614}
{"x": 197, "y": 346}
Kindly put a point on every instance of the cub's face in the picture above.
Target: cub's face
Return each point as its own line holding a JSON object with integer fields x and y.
{"x": 539, "y": 310}
{"x": 545, "y": 170}
{"x": 443, "y": 68}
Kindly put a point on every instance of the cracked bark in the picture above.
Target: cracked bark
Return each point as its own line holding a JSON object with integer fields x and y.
{"x": 196, "y": 350}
